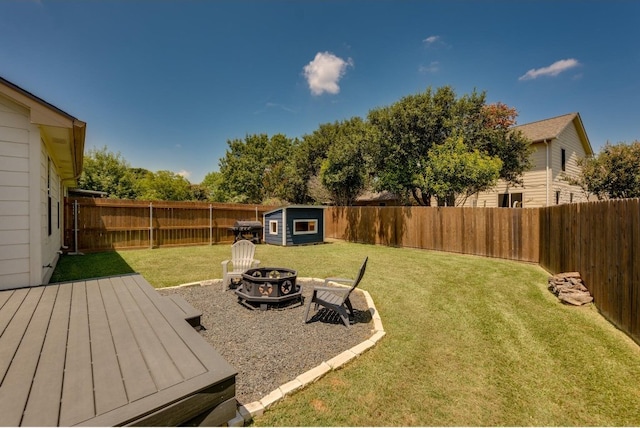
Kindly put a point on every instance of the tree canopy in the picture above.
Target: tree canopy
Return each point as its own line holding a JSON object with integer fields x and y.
{"x": 613, "y": 173}
{"x": 405, "y": 134}
{"x": 254, "y": 168}
{"x": 428, "y": 145}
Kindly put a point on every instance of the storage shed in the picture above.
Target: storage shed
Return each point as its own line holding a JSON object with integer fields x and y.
{"x": 294, "y": 225}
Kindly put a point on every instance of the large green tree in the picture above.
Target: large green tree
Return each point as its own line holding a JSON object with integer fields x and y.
{"x": 613, "y": 173}
{"x": 405, "y": 132}
{"x": 212, "y": 185}
{"x": 307, "y": 159}
{"x": 343, "y": 172}
{"x": 109, "y": 172}
{"x": 254, "y": 169}
{"x": 454, "y": 172}
{"x": 164, "y": 186}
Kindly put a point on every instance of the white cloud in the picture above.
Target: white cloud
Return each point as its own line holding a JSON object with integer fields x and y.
{"x": 552, "y": 70}
{"x": 184, "y": 173}
{"x": 433, "y": 67}
{"x": 324, "y": 73}
{"x": 431, "y": 40}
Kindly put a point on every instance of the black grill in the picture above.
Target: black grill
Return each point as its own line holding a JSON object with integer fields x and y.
{"x": 246, "y": 229}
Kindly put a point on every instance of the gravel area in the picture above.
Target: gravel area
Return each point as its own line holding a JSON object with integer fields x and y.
{"x": 270, "y": 348}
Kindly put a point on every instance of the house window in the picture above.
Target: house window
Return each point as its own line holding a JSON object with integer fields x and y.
{"x": 557, "y": 197}
{"x": 305, "y": 227}
{"x": 570, "y": 198}
{"x": 273, "y": 227}
{"x": 513, "y": 200}
{"x": 563, "y": 159}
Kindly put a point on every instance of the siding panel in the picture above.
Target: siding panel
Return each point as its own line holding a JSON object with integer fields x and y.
{"x": 9, "y": 237}
{"x": 10, "y": 178}
{"x": 11, "y": 252}
{"x": 9, "y": 193}
{"x": 13, "y": 142}
{"x": 13, "y": 222}
{"x": 14, "y": 164}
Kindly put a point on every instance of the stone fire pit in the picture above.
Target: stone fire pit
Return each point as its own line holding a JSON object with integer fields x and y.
{"x": 268, "y": 285}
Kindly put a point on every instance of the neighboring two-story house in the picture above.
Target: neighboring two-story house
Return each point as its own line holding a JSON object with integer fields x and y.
{"x": 41, "y": 154}
{"x": 558, "y": 143}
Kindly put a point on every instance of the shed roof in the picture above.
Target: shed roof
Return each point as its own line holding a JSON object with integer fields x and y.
{"x": 295, "y": 206}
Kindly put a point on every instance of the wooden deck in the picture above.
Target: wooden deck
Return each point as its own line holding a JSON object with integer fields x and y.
{"x": 106, "y": 352}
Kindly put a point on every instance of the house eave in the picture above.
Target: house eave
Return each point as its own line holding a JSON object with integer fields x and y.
{"x": 62, "y": 134}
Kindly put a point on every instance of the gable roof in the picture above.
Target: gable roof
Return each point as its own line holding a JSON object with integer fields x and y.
{"x": 549, "y": 129}
{"x": 62, "y": 133}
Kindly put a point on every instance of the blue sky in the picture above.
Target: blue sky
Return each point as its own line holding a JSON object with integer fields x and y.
{"x": 168, "y": 83}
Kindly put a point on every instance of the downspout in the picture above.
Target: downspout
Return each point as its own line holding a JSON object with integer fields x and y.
{"x": 546, "y": 143}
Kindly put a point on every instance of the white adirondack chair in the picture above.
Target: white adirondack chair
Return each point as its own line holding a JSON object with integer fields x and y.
{"x": 242, "y": 253}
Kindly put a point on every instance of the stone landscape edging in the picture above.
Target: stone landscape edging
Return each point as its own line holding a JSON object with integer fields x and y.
{"x": 246, "y": 412}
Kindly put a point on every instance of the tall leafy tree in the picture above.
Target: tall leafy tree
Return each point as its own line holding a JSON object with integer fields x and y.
{"x": 164, "y": 186}
{"x": 254, "y": 169}
{"x": 109, "y": 172}
{"x": 343, "y": 173}
{"x": 493, "y": 134}
{"x": 405, "y": 132}
{"x": 454, "y": 172}
{"x": 307, "y": 159}
{"x": 613, "y": 173}
{"x": 212, "y": 185}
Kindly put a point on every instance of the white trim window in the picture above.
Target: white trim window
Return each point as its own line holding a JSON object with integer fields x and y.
{"x": 273, "y": 227}
{"x": 305, "y": 227}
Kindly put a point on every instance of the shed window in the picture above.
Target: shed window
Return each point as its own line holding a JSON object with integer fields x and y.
{"x": 273, "y": 227}
{"x": 563, "y": 159}
{"x": 304, "y": 227}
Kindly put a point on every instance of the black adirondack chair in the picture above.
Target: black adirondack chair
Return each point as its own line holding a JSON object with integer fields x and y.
{"x": 336, "y": 298}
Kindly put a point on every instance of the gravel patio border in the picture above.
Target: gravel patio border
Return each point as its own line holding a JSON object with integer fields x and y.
{"x": 274, "y": 351}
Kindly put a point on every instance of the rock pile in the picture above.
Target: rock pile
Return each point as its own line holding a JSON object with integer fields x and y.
{"x": 569, "y": 288}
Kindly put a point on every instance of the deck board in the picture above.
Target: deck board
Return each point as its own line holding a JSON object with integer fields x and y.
{"x": 108, "y": 389}
{"x": 43, "y": 407}
{"x": 27, "y": 354}
{"x": 186, "y": 363}
{"x": 105, "y": 352}
{"x": 137, "y": 380}
{"x": 77, "y": 390}
{"x": 159, "y": 363}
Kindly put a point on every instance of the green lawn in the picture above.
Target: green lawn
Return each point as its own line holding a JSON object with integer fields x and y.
{"x": 470, "y": 341}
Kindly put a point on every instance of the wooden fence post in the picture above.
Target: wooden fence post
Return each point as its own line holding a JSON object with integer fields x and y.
{"x": 151, "y": 225}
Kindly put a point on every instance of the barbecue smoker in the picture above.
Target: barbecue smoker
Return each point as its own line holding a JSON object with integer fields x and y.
{"x": 245, "y": 229}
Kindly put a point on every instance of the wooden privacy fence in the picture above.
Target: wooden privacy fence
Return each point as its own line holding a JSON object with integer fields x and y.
{"x": 108, "y": 224}
{"x": 601, "y": 240}
{"x": 509, "y": 233}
